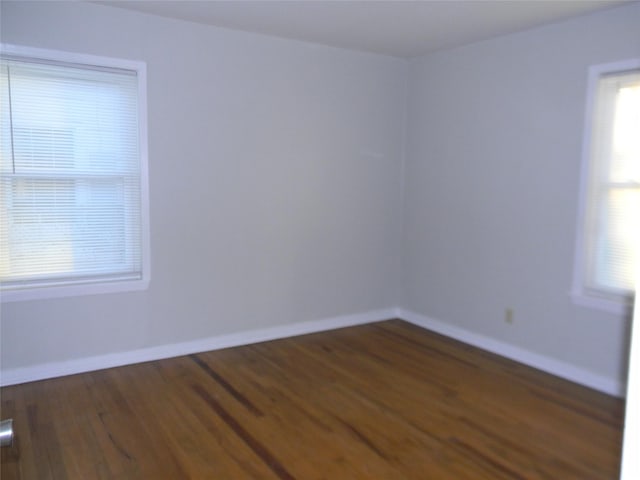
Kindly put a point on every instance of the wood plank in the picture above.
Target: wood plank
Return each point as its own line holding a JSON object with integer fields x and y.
{"x": 386, "y": 400}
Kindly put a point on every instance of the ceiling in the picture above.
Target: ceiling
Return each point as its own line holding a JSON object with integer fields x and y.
{"x": 392, "y": 27}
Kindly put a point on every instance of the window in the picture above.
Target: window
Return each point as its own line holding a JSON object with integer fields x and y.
{"x": 609, "y": 238}
{"x": 73, "y": 175}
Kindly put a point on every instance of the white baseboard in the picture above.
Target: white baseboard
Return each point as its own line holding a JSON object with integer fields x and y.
{"x": 99, "y": 362}
{"x": 535, "y": 360}
{"x": 70, "y": 367}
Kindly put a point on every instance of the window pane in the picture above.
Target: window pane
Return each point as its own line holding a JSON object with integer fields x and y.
{"x": 616, "y": 248}
{"x": 613, "y": 203}
{"x": 91, "y": 116}
{"x": 71, "y": 187}
{"x": 625, "y": 165}
{"x": 61, "y": 228}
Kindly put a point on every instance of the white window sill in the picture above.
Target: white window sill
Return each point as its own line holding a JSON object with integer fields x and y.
{"x": 621, "y": 308}
{"x": 42, "y": 293}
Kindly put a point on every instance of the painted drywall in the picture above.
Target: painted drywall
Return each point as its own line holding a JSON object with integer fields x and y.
{"x": 277, "y": 195}
{"x": 492, "y": 180}
{"x": 274, "y": 184}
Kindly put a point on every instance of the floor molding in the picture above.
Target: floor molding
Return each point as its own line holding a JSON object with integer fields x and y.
{"x": 70, "y": 367}
{"x": 535, "y": 360}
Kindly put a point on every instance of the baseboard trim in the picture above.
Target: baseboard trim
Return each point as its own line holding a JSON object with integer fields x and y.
{"x": 70, "y": 367}
{"x": 535, "y": 360}
{"x": 555, "y": 367}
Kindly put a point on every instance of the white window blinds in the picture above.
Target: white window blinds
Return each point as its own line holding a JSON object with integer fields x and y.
{"x": 70, "y": 175}
{"x": 612, "y": 233}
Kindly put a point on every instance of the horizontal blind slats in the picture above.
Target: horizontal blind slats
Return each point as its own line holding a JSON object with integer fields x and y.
{"x": 70, "y": 166}
{"x": 613, "y": 219}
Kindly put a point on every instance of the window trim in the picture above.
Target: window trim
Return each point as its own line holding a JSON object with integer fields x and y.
{"x": 84, "y": 287}
{"x": 580, "y": 294}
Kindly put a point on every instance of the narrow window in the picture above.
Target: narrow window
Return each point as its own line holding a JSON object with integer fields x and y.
{"x": 73, "y": 175}
{"x": 609, "y": 240}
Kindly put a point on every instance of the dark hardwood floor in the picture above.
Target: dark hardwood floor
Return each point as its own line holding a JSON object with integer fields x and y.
{"x": 382, "y": 401}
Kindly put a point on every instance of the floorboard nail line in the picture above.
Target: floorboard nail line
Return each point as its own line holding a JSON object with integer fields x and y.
{"x": 472, "y": 452}
{"x": 363, "y": 438}
{"x": 424, "y": 347}
{"x": 227, "y": 386}
{"x": 575, "y": 408}
{"x": 503, "y": 440}
{"x": 115, "y": 443}
{"x": 260, "y": 450}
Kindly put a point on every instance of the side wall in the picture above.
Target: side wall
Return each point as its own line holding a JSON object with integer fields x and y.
{"x": 492, "y": 179}
{"x": 275, "y": 184}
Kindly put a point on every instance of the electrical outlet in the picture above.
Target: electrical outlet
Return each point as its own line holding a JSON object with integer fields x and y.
{"x": 508, "y": 316}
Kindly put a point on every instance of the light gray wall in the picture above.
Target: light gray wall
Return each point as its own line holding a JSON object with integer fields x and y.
{"x": 493, "y": 160}
{"x": 274, "y": 176}
{"x": 276, "y": 185}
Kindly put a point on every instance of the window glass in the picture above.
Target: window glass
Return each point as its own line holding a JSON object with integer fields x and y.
{"x": 72, "y": 175}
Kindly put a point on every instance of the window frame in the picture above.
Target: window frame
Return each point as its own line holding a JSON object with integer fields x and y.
{"x": 96, "y": 286}
{"x": 581, "y": 294}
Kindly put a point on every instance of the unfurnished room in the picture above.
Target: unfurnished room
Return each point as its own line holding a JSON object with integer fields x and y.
{"x": 304, "y": 240}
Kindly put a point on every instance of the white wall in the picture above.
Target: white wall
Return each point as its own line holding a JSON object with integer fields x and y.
{"x": 276, "y": 180}
{"x": 274, "y": 177}
{"x": 492, "y": 171}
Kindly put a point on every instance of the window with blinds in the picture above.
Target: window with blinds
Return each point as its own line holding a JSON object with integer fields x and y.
{"x": 611, "y": 235}
{"x": 72, "y": 175}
